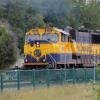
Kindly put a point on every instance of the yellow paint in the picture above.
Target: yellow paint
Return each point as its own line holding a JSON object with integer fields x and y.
{"x": 59, "y": 47}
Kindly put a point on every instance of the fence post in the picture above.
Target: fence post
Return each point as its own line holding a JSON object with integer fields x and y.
{"x": 65, "y": 76}
{"x": 33, "y": 78}
{"x": 1, "y": 83}
{"x": 18, "y": 80}
{"x": 85, "y": 79}
{"x": 48, "y": 77}
{"x": 96, "y": 77}
{"x": 74, "y": 72}
{"x": 61, "y": 76}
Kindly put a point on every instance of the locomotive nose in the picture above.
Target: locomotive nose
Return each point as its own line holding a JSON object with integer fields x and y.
{"x": 37, "y": 53}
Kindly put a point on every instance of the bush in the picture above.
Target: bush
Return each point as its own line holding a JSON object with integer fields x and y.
{"x": 8, "y": 51}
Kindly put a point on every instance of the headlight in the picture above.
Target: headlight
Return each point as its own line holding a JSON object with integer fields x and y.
{"x": 37, "y": 53}
{"x": 37, "y": 44}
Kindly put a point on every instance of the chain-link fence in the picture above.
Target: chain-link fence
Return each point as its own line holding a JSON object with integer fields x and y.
{"x": 47, "y": 77}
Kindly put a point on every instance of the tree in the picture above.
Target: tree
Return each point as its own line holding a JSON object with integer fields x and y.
{"x": 86, "y": 15}
{"x": 56, "y": 12}
{"x": 33, "y": 19}
{"x": 91, "y": 15}
{"x": 23, "y": 15}
{"x": 21, "y": 18}
{"x": 7, "y": 48}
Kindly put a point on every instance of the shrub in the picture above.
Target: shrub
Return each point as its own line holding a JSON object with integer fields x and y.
{"x": 8, "y": 49}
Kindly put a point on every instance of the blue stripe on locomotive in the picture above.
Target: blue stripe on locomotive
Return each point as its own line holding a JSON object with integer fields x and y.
{"x": 30, "y": 59}
{"x": 60, "y": 58}
{"x": 49, "y": 58}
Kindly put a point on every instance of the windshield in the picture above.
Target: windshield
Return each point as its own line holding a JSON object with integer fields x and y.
{"x": 32, "y": 37}
{"x": 47, "y": 37}
{"x": 50, "y": 37}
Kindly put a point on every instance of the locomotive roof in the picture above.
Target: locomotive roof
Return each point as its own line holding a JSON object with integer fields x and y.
{"x": 61, "y": 31}
{"x": 96, "y": 32}
{"x": 53, "y": 28}
{"x": 92, "y": 33}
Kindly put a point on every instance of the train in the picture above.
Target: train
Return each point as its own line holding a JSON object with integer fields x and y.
{"x": 51, "y": 47}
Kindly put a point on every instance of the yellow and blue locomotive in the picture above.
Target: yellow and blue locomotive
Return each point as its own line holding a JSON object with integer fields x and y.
{"x": 55, "y": 48}
{"x": 47, "y": 46}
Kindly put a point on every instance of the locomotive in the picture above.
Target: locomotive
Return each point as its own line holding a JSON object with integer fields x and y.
{"x": 51, "y": 47}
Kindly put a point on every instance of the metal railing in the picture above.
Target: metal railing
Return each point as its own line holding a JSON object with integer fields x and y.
{"x": 46, "y": 77}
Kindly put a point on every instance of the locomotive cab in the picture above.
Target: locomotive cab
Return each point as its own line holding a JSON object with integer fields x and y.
{"x": 47, "y": 46}
{"x": 39, "y": 44}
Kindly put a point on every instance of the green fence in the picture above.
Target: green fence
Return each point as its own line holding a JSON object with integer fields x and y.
{"x": 47, "y": 77}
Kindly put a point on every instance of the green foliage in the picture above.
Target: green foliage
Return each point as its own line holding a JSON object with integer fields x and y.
{"x": 23, "y": 15}
{"x": 56, "y": 12}
{"x": 91, "y": 16}
{"x": 87, "y": 15}
{"x": 7, "y": 49}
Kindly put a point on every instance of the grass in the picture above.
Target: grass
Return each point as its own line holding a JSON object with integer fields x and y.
{"x": 97, "y": 90}
{"x": 65, "y": 92}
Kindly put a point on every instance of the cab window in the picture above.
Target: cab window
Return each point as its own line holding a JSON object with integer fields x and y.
{"x": 32, "y": 37}
{"x": 64, "y": 38}
{"x": 50, "y": 37}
